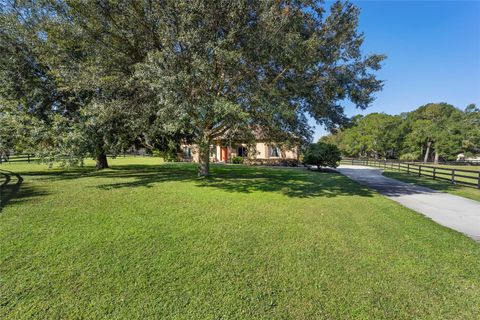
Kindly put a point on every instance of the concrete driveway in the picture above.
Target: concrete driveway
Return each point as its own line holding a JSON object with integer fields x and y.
{"x": 452, "y": 211}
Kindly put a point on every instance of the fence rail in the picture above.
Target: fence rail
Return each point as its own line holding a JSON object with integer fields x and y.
{"x": 469, "y": 178}
{"x": 18, "y": 158}
{"x": 465, "y": 163}
{"x": 32, "y": 158}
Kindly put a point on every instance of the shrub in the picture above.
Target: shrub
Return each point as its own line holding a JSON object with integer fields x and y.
{"x": 156, "y": 153}
{"x": 167, "y": 155}
{"x": 411, "y": 156}
{"x": 272, "y": 162}
{"x": 322, "y": 154}
{"x": 237, "y": 160}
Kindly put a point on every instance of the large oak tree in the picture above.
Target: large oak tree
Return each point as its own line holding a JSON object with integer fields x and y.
{"x": 201, "y": 69}
{"x": 241, "y": 65}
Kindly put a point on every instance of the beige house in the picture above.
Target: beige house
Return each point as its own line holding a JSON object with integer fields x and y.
{"x": 224, "y": 152}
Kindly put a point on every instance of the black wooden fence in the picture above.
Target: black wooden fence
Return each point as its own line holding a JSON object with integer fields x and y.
{"x": 465, "y": 177}
{"x": 18, "y": 158}
{"x": 451, "y": 163}
{"x": 32, "y": 158}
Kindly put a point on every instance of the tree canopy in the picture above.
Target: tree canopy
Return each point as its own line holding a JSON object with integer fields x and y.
{"x": 431, "y": 132}
{"x": 98, "y": 75}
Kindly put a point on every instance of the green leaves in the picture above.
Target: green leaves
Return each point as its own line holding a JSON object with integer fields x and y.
{"x": 322, "y": 154}
{"x": 188, "y": 68}
{"x": 439, "y": 129}
{"x": 377, "y": 135}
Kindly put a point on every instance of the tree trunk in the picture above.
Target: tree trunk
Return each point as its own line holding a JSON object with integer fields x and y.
{"x": 102, "y": 162}
{"x": 427, "y": 152}
{"x": 204, "y": 158}
{"x": 436, "y": 157}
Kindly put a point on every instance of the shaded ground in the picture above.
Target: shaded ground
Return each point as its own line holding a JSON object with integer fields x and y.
{"x": 145, "y": 240}
{"x": 238, "y": 179}
{"x": 10, "y": 185}
{"x": 455, "y": 212}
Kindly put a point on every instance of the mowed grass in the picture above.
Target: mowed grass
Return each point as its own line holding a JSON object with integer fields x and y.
{"x": 466, "y": 167}
{"x": 147, "y": 240}
{"x": 456, "y": 189}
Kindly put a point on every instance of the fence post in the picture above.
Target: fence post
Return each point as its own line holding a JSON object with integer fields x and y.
{"x": 28, "y": 157}
{"x": 478, "y": 180}
{"x": 434, "y": 169}
{"x": 419, "y": 171}
{"x": 398, "y": 165}
{"x": 352, "y": 161}
{"x": 453, "y": 176}
{"x": 408, "y": 167}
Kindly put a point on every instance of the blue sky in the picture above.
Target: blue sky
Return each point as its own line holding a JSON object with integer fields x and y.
{"x": 433, "y": 50}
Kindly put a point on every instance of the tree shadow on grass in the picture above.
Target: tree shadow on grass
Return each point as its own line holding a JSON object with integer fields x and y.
{"x": 13, "y": 190}
{"x": 292, "y": 182}
{"x": 62, "y": 173}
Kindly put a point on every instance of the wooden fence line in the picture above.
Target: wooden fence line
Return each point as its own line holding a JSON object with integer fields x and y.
{"x": 31, "y": 157}
{"x": 19, "y": 158}
{"x": 469, "y": 178}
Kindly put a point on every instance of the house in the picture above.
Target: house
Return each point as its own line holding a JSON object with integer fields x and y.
{"x": 265, "y": 153}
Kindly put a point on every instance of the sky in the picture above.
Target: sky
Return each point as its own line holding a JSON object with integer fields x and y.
{"x": 433, "y": 53}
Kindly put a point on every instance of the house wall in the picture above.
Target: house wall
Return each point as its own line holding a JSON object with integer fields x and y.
{"x": 262, "y": 152}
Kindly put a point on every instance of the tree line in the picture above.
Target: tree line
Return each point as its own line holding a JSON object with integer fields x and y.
{"x": 83, "y": 79}
{"x": 433, "y": 132}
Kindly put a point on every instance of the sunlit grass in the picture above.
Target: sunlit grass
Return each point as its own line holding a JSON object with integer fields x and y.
{"x": 461, "y": 167}
{"x": 149, "y": 240}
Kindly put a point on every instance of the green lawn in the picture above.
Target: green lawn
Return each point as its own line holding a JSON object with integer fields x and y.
{"x": 148, "y": 240}
{"x": 474, "y": 168}
{"x": 445, "y": 171}
{"x": 459, "y": 190}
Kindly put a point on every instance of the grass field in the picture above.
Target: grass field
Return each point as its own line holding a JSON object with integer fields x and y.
{"x": 474, "y": 168}
{"x": 470, "y": 175}
{"x": 148, "y": 240}
{"x": 459, "y": 190}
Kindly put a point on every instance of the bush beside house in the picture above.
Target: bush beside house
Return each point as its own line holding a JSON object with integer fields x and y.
{"x": 322, "y": 154}
{"x": 271, "y": 162}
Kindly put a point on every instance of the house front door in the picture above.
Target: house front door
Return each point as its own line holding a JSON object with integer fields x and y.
{"x": 223, "y": 154}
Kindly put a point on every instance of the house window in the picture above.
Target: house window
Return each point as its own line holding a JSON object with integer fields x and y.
{"x": 241, "y": 151}
{"x": 275, "y": 152}
{"x": 187, "y": 152}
